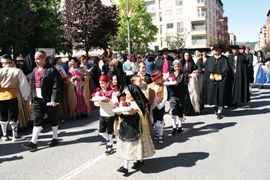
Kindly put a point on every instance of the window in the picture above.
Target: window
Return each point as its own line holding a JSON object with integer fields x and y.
{"x": 180, "y": 27}
{"x": 169, "y": 15}
{"x": 197, "y": 26}
{"x": 160, "y": 17}
{"x": 160, "y": 29}
{"x": 197, "y": 40}
{"x": 150, "y": 6}
{"x": 170, "y": 26}
{"x": 154, "y": 19}
{"x": 178, "y": 2}
{"x": 201, "y": 12}
{"x": 201, "y": 1}
{"x": 179, "y": 13}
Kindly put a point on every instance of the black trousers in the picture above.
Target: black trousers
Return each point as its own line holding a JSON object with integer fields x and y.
{"x": 9, "y": 107}
{"x": 40, "y": 108}
{"x": 158, "y": 114}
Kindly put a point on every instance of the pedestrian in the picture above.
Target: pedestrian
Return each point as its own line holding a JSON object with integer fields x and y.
{"x": 129, "y": 68}
{"x": 191, "y": 73}
{"x": 11, "y": 79}
{"x": 164, "y": 64}
{"x": 107, "y": 116}
{"x": 45, "y": 95}
{"x": 217, "y": 85}
{"x": 178, "y": 97}
{"x": 135, "y": 143}
{"x": 158, "y": 95}
{"x": 240, "y": 91}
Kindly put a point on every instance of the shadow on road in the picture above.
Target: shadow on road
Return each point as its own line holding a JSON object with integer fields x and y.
{"x": 191, "y": 131}
{"x": 10, "y": 159}
{"x": 180, "y": 160}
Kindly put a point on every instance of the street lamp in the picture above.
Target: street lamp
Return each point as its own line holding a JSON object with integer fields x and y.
{"x": 128, "y": 15}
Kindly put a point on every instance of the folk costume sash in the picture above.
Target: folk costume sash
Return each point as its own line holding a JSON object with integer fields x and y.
{"x": 152, "y": 93}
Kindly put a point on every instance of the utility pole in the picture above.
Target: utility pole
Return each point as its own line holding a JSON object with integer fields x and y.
{"x": 128, "y": 27}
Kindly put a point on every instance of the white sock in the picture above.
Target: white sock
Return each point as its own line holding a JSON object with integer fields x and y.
{"x": 219, "y": 109}
{"x": 110, "y": 139}
{"x": 4, "y": 127}
{"x": 180, "y": 122}
{"x": 14, "y": 126}
{"x": 161, "y": 129}
{"x": 174, "y": 122}
{"x": 126, "y": 164}
{"x": 105, "y": 136}
{"x": 35, "y": 133}
{"x": 55, "y": 132}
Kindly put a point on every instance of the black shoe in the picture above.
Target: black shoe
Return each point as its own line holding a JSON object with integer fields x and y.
{"x": 122, "y": 170}
{"x": 173, "y": 132}
{"x": 219, "y": 116}
{"x": 109, "y": 149}
{"x": 137, "y": 164}
{"x": 30, "y": 145}
{"x": 54, "y": 142}
{"x": 179, "y": 130}
{"x": 215, "y": 110}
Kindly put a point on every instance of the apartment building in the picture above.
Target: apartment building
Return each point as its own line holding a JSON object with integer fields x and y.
{"x": 201, "y": 20}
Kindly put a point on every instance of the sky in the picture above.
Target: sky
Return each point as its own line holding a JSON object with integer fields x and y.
{"x": 246, "y": 18}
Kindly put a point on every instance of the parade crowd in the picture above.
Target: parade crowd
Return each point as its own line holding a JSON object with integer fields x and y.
{"x": 131, "y": 92}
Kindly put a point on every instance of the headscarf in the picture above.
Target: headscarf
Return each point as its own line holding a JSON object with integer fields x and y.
{"x": 138, "y": 96}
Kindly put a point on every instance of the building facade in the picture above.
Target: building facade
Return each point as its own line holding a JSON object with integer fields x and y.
{"x": 201, "y": 21}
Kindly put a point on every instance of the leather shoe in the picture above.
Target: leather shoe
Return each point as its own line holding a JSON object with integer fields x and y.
{"x": 54, "y": 142}
{"x": 137, "y": 164}
{"x": 122, "y": 170}
{"x": 219, "y": 116}
{"x": 30, "y": 146}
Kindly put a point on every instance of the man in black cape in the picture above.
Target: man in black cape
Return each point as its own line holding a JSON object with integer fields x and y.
{"x": 217, "y": 86}
{"x": 239, "y": 63}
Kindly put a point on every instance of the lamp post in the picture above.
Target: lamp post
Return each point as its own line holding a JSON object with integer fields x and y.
{"x": 128, "y": 27}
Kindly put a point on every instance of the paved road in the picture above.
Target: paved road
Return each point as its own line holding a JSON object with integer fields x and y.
{"x": 235, "y": 147}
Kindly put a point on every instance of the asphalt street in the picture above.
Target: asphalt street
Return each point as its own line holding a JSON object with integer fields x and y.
{"x": 235, "y": 147}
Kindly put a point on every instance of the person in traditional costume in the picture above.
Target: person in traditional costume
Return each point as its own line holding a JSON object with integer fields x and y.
{"x": 178, "y": 98}
{"x": 249, "y": 58}
{"x": 134, "y": 140}
{"x": 45, "y": 95}
{"x": 158, "y": 95}
{"x": 107, "y": 116}
{"x": 190, "y": 71}
{"x": 260, "y": 69}
{"x": 217, "y": 83}
{"x": 164, "y": 64}
{"x": 12, "y": 80}
{"x": 77, "y": 78}
{"x": 240, "y": 91}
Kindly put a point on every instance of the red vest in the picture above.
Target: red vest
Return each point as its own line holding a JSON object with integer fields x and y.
{"x": 38, "y": 75}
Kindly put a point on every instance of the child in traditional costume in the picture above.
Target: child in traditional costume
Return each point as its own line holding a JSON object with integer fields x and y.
{"x": 157, "y": 99}
{"x": 107, "y": 116}
{"x": 177, "y": 97}
{"x": 134, "y": 143}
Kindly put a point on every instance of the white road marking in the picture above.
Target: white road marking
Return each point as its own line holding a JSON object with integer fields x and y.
{"x": 82, "y": 167}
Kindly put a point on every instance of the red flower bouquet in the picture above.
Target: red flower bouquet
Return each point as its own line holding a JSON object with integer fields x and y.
{"x": 116, "y": 104}
{"x": 125, "y": 104}
{"x": 122, "y": 98}
{"x": 98, "y": 89}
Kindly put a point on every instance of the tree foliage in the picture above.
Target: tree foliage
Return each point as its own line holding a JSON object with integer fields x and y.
{"x": 29, "y": 24}
{"x": 46, "y": 25}
{"x": 176, "y": 41}
{"x": 88, "y": 23}
{"x": 142, "y": 31}
{"x": 15, "y": 25}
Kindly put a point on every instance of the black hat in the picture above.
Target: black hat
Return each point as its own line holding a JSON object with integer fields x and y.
{"x": 164, "y": 50}
{"x": 234, "y": 46}
{"x": 216, "y": 46}
{"x": 179, "y": 50}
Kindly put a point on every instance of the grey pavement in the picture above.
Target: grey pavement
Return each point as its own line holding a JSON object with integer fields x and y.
{"x": 235, "y": 147}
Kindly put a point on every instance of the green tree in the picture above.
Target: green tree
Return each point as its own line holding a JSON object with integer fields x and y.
{"x": 47, "y": 32}
{"x": 15, "y": 25}
{"x": 142, "y": 31}
{"x": 176, "y": 41}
